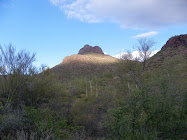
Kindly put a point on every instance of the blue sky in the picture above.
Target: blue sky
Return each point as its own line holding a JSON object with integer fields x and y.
{"x": 55, "y": 29}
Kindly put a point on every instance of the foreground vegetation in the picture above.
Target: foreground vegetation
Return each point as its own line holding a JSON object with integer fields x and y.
{"x": 130, "y": 102}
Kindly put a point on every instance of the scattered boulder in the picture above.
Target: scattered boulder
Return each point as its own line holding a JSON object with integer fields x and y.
{"x": 89, "y": 49}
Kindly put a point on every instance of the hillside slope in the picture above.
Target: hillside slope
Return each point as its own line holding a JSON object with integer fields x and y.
{"x": 175, "y": 46}
{"x": 87, "y": 64}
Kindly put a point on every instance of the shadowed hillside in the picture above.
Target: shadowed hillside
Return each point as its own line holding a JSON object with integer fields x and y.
{"x": 175, "y": 46}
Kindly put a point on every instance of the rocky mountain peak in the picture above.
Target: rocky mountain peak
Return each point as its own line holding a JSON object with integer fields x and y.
{"x": 87, "y": 49}
{"x": 175, "y": 46}
{"x": 176, "y": 41}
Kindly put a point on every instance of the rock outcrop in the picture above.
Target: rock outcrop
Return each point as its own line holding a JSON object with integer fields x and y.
{"x": 176, "y": 41}
{"x": 174, "y": 47}
{"x": 87, "y": 49}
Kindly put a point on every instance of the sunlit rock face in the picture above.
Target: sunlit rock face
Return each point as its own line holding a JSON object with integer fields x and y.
{"x": 87, "y": 49}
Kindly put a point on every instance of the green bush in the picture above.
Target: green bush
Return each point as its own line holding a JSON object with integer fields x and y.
{"x": 1, "y": 115}
{"x": 45, "y": 124}
{"x": 148, "y": 116}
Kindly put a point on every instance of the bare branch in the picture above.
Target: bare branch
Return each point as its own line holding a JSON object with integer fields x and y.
{"x": 144, "y": 49}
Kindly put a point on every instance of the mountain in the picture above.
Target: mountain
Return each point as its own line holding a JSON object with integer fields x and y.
{"x": 90, "y": 60}
{"x": 87, "y": 49}
{"x": 175, "y": 46}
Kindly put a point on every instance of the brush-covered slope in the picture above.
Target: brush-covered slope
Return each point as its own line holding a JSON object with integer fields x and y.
{"x": 87, "y": 64}
{"x": 91, "y": 87}
{"x": 175, "y": 47}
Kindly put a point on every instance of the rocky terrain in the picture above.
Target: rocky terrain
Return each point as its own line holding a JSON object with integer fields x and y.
{"x": 175, "y": 46}
{"x": 176, "y": 42}
{"x": 87, "y": 49}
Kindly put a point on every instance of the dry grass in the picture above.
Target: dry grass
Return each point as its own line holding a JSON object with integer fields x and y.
{"x": 91, "y": 58}
{"x": 89, "y": 64}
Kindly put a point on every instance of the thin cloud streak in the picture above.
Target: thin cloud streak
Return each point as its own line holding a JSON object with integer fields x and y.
{"x": 57, "y": 2}
{"x": 148, "y": 34}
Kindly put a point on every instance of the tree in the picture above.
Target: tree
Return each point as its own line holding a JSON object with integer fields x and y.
{"x": 15, "y": 63}
{"x": 127, "y": 56}
{"x": 144, "y": 49}
{"x": 23, "y": 88}
{"x": 135, "y": 69}
{"x": 15, "y": 68}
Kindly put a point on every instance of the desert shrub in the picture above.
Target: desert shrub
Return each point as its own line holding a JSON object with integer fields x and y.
{"x": 32, "y": 123}
{"x": 15, "y": 69}
{"x": 1, "y": 116}
{"x": 13, "y": 120}
{"x": 44, "y": 123}
{"x": 39, "y": 90}
{"x": 20, "y": 80}
{"x": 90, "y": 112}
{"x": 155, "y": 110}
{"x": 25, "y": 135}
{"x": 20, "y": 84}
{"x": 108, "y": 74}
{"x": 146, "y": 117}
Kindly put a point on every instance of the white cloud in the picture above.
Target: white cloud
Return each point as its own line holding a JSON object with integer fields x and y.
{"x": 57, "y": 2}
{"x": 134, "y": 54}
{"x": 127, "y": 13}
{"x": 148, "y": 34}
